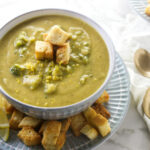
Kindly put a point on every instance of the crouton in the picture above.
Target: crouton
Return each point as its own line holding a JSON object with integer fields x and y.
{"x": 43, "y": 126}
{"x": 15, "y": 119}
{"x": 89, "y": 131}
{"x": 100, "y": 109}
{"x": 29, "y": 136}
{"x": 62, "y": 137}
{"x": 147, "y": 10}
{"x": 51, "y": 134}
{"x": 43, "y": 50}
{"x": 63, "y": 54}
{"x": 103, "y": 98}
{"x": 29, "y": 122}
{"x": 77, "y": 123}
{"x": 65, "y": 125}
{"x": 44, "y": 36}
{"x": 9, "y": 108}
{"x": 57, "y": 36}
{"x": 98, "y": 121}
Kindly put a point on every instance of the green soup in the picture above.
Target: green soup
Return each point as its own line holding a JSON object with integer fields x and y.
{"x": 69, "y": 84}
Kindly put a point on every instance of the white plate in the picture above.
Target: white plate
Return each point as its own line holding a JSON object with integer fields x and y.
{"x": 118, "y": 89}
{"x": 139, "y": 6}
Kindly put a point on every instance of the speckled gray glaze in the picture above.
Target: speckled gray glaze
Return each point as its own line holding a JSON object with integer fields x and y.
{"x": 66, "y": 111}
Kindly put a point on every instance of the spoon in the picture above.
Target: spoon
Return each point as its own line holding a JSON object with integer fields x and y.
{"x": 146, "y": 103}
{"x": 142, "y": 62}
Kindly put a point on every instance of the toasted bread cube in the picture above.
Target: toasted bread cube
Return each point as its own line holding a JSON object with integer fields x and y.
{"x": 51, "y": 134}
{"x": 57, "y": 36}
{"x": 98, "y": 121}
{"x": 89, "y": 131}
{"x": 62, "y": 137}
{"x": 103, "y": 98}
{"x": 65, "y": 125}
{"x": 60, "y": 142}
{"x": 29, "y": 122}
{"x": 29, "y": 136}
{"x": 9, "y": 108}
{"x": 43, "y": 50}
{"x": 15, "y": 119}
{"x": 77, "y": 123}
{"x": 63, "y": 54}
{"x": 147, "y": 10}
{"x": 44, "y": 36}
{"x": 100, "y": 109}
{"x": 43, "y": 126}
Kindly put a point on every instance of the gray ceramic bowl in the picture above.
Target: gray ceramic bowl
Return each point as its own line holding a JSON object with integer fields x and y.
{"x": 66, "y": 111}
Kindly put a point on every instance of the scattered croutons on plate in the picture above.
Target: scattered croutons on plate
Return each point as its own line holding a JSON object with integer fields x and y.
{"x": 63, "y": 54}
{"x": 51, "y": 134}
{"x": 29, "y": 136}
{"x": 43, "y": 50}
{"x": 89, "y": 131}
{"x": 98, "y": 121}
{"x": 57, "y": 36}
{"x": 29, "y": 122}
{"x": 43, "y": 126}
{"x": 15, "y": 119}
{"x": 77, "y": 122}
{"x": 100, "y": 109}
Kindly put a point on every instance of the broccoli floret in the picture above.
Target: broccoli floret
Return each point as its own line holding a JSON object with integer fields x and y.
{"x": 17, "y": 70}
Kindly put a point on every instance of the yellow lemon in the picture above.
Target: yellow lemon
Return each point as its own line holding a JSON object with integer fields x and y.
{"x": 4, "y": 133}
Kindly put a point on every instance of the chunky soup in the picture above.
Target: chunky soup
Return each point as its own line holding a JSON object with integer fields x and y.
{"x": 52, "y": 61}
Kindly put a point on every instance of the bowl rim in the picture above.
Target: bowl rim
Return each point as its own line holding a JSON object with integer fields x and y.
{"x": 70, "y": 12}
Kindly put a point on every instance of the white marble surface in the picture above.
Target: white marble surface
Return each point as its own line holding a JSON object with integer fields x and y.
{"x": 133, "y": 133}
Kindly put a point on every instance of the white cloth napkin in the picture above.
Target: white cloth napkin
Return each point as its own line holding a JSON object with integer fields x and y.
{"x": 133, "y": 33}
{"x": 128, "y": 31}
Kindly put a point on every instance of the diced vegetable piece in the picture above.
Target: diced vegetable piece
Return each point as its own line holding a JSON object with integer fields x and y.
{"x": 50, "y": 88}
{"x": 32, "y": 81}
{"x": 21, "y": 40}
{"x": 22, "y": 51}
{"x": 85, "y": 59}
{"x": 57, "y": 71}
{"x": 17, "y": 70}
{"x": 19, "y": 43}
{"x": 75, "y": 58}
{"x": 84, "y": 78}
{"x": 43, "y": 50}
{"x": 85, "y": 51}
{"x": 74, "y": 37}
{"x": 57, "y": 36}
{"x": 63, "y": 54}
{"x": 69, "y": 69}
